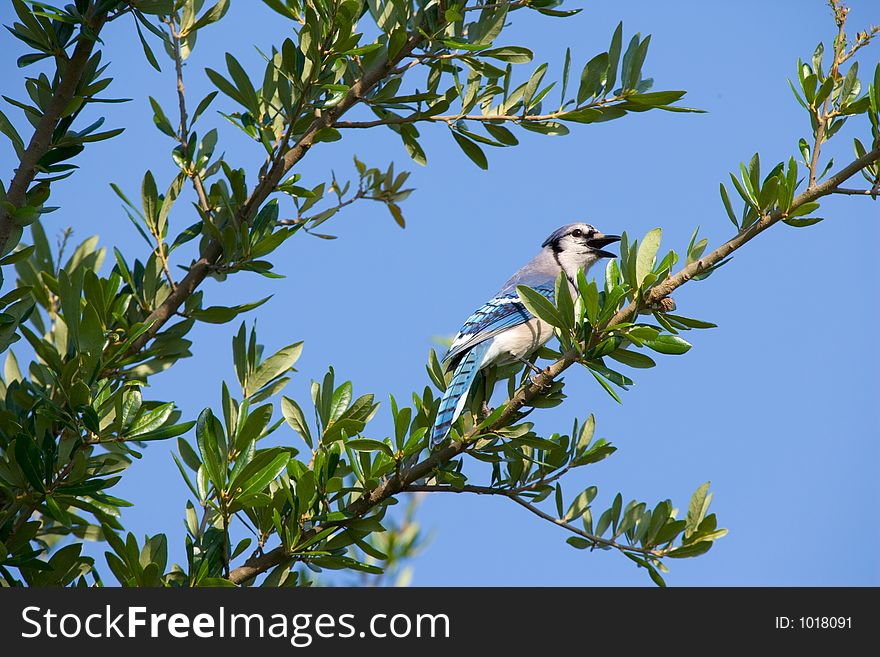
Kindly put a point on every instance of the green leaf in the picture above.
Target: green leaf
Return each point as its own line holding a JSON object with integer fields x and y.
{"x": 690, "y": 322}
{"x": 606, "y": 386}
{"x": 586, "y": 434}
{"x": 564, "y": 302}
{"x": 408, "y": 134}
{"x": 340, "y": 401}
{"x": 202, "y": 106}
{"x": 668, "y": 344}
{"x": 629, "y": 57}
{"x": 370, "y": 445}
{"x": 207, "y": 441}
{"x": 655, "y": 98}
{"x": 150, "y": 197}
{"x": 512, "y": 54}
{"x": 646, "y": 254}
{"x": 156, "y": 7}
{"x": 225, "y": 86}
{"x": 614, "y": 57}
{"x": 223, "y": 314}
{"x": 502, "y": 134}
{"x": 559, "y": 13}
{"x": 9, "y": 130}
{"x": 213, "y": 15}
{"x": 728, "y": 208}
{"x": 254, "y": 426}
{"x": 803, "y": 209}
{"x": 294, "y": 417}
{"x": 580, "y": 504}
{"x": 166, "y": 432}
{"x": 474, "y": 152}
{"x": 802, "y": 223}
{"x": 615, "y": 377}
{"x": 590, "y": 294}
{"x": 539, "y": 306}
{"x": 566, "y": 68}
{"x": 243, "y": 84}
{"x": 281, "y": 8}
{"x": 591, "y": 77}
{"x": 656, "y": 577}
{"x": 693, "y": 550}
{"x": 148, "y": 52}
{"x": 150, "y": 420}
{"x": 850, "y": 83}
{"x": 274, "y": 366}
{"x": 91, "y": 333}
{"x": 30, "y": 460}
{"x": 254, "y": 480}
{"x": 305, "y": 488}
{"x": 697, "y": 508}
{"x": 160, "y": 119}
{"x": 632, "y": 358}
{"x": 586, "y": 115}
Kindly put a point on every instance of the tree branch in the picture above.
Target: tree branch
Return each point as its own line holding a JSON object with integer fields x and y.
{"x": 405, "y": 479}
{"x": 40, "y": 142}
{"x": 855, "y": 192}
{"x": 183, "y": 130}
{"x": 510, "y": 494}
{"x": 201, "y": 267}
{"x": 821, "y": 114}
{"x": 395, "y": 484}
{"x": 484, "y": 118}
{"x": 512, "y": 5}
{"x": 810, "y": 194}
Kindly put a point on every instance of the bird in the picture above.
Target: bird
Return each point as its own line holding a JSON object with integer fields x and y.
{"x": 502, "y": 331}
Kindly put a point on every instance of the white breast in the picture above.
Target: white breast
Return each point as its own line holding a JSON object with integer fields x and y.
{"x": 518, "y": 342}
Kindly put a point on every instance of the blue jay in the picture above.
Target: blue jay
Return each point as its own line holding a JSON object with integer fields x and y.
{"x": 502, "y": 331}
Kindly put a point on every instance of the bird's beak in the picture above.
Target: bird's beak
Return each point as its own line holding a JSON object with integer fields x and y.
{"x": 598, "y": 242}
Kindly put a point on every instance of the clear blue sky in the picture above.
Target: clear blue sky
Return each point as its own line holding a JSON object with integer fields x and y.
{"x": 777, "y": 407}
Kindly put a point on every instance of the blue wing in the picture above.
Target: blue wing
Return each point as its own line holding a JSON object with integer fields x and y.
{"x": 455, "y": 396}
{"x": 468, "y": 350}
{"x": 504, "y": 311}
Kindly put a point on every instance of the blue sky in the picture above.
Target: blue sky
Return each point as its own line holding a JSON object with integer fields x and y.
{"x": 777, "y": 406}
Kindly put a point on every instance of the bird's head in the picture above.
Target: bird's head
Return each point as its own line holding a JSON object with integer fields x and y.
{"x": 578, "y": 246}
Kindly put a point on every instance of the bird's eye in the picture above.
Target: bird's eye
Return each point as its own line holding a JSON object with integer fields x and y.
{"x": 577, "y": 232}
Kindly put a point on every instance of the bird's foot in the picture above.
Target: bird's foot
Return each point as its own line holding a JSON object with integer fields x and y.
{"x": 530, "y": 365}
{"x": 537, "y": 379}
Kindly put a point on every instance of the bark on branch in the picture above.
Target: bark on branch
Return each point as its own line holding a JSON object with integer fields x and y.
{"x": 512, "y": 495}
{"x": 71, "y": 72}
{"x": 406, "y": 479}
{"x": 202, "y": 267}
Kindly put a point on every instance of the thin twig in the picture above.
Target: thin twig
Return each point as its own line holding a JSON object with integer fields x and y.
{"x": 56, "y": 481}
{"x": 41, "y": 140}
{"x": 511, "y": 6}
{"x": 822, "y": 115}
{"x": 855, "y": 192}
{"x": 862, "y": 40}
{"x": 510, "y": 494}
{"x": 405, "y": 478}
{"x": 360, "y": 194}
{"x": 484, "y": 118}
{"x": 284, "y": 163}
{"x": 183, "y": 134}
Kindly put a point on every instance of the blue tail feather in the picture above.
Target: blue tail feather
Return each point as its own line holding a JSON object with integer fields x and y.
{"x": 453, "y": 398}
